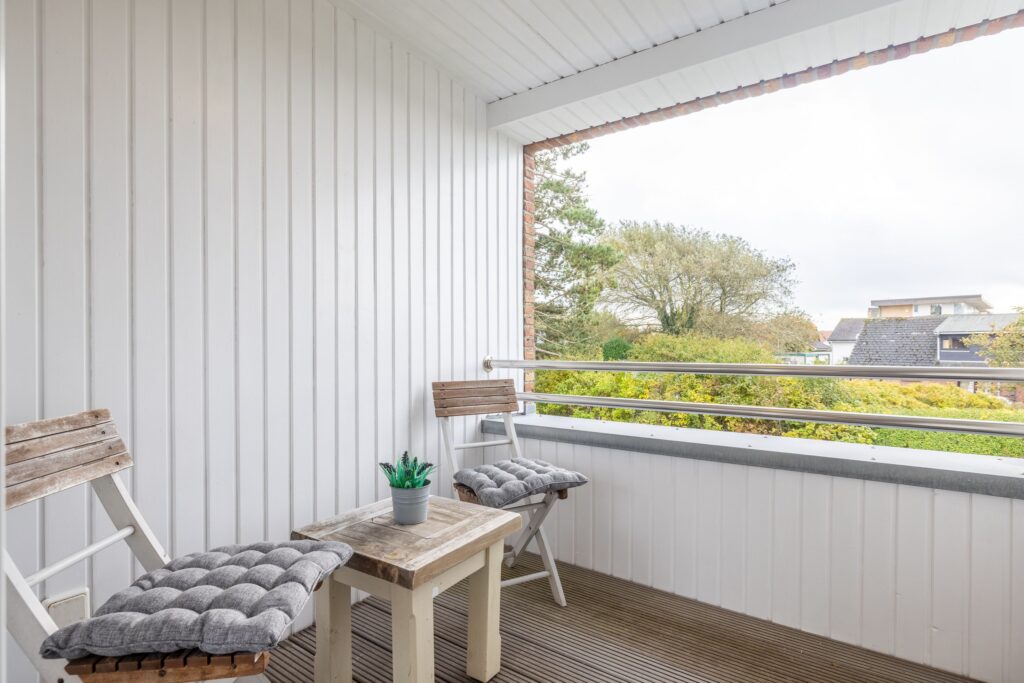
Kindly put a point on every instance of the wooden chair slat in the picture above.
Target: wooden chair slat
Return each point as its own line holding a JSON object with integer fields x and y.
{"x": 152, "y": 662}
{"x": 177, "y": 667}
{"x": 476, "y": 410}
{"x": 83, "y": 665}
{"x": 45, "y": 445}
{"x": 131, "y": 662}
{"x": 56, "y": 425}
{"x": 62, "y": 460}
{"x": 19, "y": 494}
{"x": 474, "y": 401}
{"x": 175, "y": 660}
{"x": 106, "y": 665}
{"x": 482, "y": 391}
{"x": 473, "y": 384}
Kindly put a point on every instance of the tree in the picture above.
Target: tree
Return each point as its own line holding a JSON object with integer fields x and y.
{"x": 791, "y": 332}
{"x": 1002, "y": 348}
{"x": 685, "y": 279}
{"x": 571, "y": 261}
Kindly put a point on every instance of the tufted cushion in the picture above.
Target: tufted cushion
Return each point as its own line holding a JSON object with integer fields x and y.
{"x": 507, "y": 481}
{"x": 239, "y": 598}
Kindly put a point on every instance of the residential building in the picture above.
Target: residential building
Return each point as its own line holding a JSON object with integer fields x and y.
{"x": 897, "y": 341}
{"x": 954, "y": 330}
{"x": 843, "y": 338}
{"x": 929, "y": 305}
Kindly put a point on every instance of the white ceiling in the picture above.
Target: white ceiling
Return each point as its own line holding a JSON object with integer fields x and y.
{"x": 550, "y": 67}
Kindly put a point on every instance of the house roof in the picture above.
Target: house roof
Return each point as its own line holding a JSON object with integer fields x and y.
{"x": 969, "y": 324}
{"x": 897, "y": 341}
{"x": 547, "y": 69}
{"x": 973, "y": 299}
{"x": 847, "y": 330}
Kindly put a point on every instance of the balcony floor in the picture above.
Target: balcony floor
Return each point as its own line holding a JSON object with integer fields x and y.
{"x": 612, "y": 631}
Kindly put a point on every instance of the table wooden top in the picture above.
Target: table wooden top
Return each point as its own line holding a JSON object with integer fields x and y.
{"x": 412, "y": 555}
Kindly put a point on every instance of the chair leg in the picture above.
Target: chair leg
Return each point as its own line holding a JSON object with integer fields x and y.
{"x": 548, "y": 558}
{"x": 536, "y": 519}
{"x": 29, "y": 623}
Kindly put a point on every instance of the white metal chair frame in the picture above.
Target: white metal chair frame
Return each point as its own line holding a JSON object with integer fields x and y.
{"x": 55, "y": 470}
{"x": 536, "y": 511}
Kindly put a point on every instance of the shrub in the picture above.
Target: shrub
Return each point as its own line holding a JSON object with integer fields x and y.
{"x": 616, "y": 349}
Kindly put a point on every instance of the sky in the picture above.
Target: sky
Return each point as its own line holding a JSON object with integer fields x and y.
{"x": 900, "y": 180}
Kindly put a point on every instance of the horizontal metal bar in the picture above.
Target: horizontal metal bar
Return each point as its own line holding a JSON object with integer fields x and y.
{"x": 481, "y": 444}
{"x": 943, "y": 424}
{"x": 88, "y": 551}
{"x": 523, "y": 579}
{"x": 956, "y": 374}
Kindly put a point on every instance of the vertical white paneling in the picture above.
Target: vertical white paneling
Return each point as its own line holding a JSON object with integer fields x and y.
{"x": 325, "y": 253}
{"x": 989, "y": 593}
{"x": 21, "y": 267}
{"x": 220, "y": 249}
{"x": 65, "y": 280}
{"x": 787, "y": 535}
{"x": 816, "y": 501}
{"x": 684, "y": 514}
{"x": 951, "y": 568}
{"x": 188, "y": 394}
{"x": 846, "y": 561}
{"x": 863, "y": 562}
{"x": 1015, "y": 655}
{"x": 277, "y": 202}
{"x": 152, "y": 426}
{"x": 879, "y": 573}
{"x": 250, "y": 274}
{"x": 759, "y": 542}
{"x": 229, "y": 227}
{"x": 662, "y": 538}
{"x": 734, "y": 536}
{"x": 347, "y": 292}
{"x": 709, "y": 531}
{"x": 419, "y": 405}
{"x": 110, "y": 356}
{"x": 601, "y": 480}
{"x": 300, "y": 86}
{"x": 913, "y": 573}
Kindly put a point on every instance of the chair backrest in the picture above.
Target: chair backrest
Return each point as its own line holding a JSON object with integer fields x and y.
{"x": 48, "y": 456}
{"x": 475, "y": 397}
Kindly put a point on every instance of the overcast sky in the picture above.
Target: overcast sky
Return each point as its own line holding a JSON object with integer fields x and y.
{"x": 899, "y": 180}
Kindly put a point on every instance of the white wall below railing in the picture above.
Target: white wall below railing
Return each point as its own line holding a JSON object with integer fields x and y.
{"x": 933, "y": 576}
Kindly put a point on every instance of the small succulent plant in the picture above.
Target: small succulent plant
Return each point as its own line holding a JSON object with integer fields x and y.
{"x": 408, "y": 473}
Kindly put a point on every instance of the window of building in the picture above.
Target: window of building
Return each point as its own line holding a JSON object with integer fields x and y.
{"x": 936, "y": 309}
{"x": 953, "y": 344}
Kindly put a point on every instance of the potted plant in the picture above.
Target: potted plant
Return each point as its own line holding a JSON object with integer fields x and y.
{"x": 409, "y": 488}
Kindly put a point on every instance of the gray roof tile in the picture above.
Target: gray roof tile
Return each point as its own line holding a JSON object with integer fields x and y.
{"x": 897, "y": 341}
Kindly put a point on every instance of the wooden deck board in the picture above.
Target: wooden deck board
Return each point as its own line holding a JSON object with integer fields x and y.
{"x": 613, "y": 631}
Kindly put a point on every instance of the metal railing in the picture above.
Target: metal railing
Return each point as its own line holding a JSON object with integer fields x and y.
{"x": 960, "y": 425}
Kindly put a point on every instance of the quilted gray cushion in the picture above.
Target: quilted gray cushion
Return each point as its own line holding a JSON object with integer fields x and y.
{"x": 239, "y": 598}
{"x": 507, "y": 481}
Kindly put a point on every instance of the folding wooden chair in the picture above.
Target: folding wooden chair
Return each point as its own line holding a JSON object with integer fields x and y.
{"x": 48, "y": 456}
{"x": 489, "y": 397}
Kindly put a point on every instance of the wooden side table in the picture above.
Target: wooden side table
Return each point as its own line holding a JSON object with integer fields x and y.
{"x": 409, "y": 566}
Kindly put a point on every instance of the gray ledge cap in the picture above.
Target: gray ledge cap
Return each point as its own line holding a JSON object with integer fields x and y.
{"x": 970, "y": 473}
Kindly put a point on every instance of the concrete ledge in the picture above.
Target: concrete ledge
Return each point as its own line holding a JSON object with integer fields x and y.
{"x": 985, "y": 474}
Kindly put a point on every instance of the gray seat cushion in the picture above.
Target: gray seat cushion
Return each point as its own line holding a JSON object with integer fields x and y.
{"x": 507, "y": 481}
{"x": 239, "y": 598}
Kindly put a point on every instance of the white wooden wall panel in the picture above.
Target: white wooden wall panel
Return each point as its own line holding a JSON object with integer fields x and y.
{"x": 256, "y": 231}
{"x": 927, "y": 575}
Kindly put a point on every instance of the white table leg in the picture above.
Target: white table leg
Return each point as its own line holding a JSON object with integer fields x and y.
{"x": 412, "y": 635}
{"x": 483, "y": 658}
{"x": 333, "y": 662}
